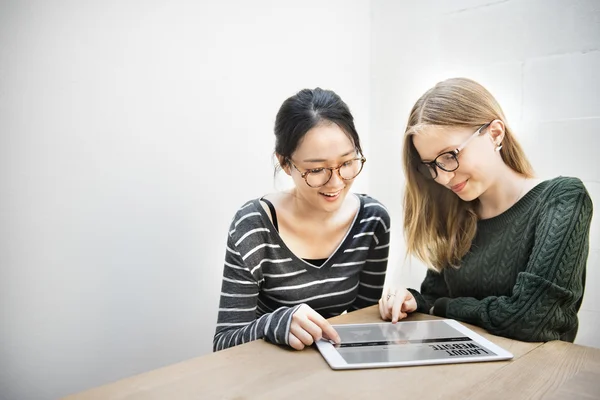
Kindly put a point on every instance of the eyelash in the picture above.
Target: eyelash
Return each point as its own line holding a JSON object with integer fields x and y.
{"x": 317, "y": 170}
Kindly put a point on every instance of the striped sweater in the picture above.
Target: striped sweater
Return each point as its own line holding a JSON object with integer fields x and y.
{"x": 264, "y": 283}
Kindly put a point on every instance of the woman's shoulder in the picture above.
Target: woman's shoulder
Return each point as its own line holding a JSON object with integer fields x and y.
{"x": 566, "y": 194}
{"x": 371, "y": 206}
{"x": 563, "y": 185}
{"x": 249, "y": 214}
{"x": 248, "y": 206}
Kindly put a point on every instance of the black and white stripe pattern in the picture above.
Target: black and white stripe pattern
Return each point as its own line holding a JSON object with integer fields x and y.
{"x": 264, "y": 282}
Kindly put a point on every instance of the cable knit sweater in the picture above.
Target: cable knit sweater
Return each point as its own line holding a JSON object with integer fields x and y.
{"x": 524, "y": 275}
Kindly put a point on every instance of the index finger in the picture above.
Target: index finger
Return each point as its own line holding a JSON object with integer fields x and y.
{"x": 398, "y": 300}
{"x": 325, "y": 326}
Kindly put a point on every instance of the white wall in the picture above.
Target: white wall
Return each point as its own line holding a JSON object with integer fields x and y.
{"x": 540, "y": 58}
{"x": 130, "y": 133}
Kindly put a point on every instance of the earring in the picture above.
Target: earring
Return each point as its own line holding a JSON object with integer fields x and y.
{"x": 498, "y": 147}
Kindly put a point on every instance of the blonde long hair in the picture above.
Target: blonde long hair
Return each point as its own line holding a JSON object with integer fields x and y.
{"x": 439, "y": 227}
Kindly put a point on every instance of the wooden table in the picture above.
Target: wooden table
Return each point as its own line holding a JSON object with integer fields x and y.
{"x": 260, "y": 370}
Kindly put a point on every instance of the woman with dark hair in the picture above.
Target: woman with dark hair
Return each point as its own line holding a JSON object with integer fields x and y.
{"x": 296, "y": 257}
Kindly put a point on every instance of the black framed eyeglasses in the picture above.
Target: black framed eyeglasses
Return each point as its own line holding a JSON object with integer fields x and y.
{"x": 447, "y": 161}
{"x": 317, "y": 177}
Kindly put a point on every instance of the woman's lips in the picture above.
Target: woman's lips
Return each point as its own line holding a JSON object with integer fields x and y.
{"x": 331, "y": 196}
{"x": 459, "y": 187}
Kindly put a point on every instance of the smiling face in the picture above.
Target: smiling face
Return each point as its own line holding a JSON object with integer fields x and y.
{"x": 325, "y": 145}
{"x": 479, "y": 164}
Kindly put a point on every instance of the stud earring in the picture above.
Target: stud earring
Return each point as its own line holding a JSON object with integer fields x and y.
{"x": 498, "y": 147}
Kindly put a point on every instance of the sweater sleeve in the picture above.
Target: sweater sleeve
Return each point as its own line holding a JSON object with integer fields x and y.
{"x": 373, "y": 273}
{"x": 433, "y": 287}
{"x": 544, "y": 301}
{"x": 237, "y": 320}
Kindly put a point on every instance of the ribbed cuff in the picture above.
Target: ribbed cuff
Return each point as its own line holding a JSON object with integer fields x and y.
{"x": 440, "y": 306}
{"x": 422, "y": 304}
{"x": 277, "y": 326}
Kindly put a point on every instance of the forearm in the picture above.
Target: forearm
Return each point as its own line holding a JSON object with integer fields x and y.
{"x": 433, "y": 287}
{"x": 232, "y": 330}
{"x": 424, "y": 303}
{"x": 543, "y": 312}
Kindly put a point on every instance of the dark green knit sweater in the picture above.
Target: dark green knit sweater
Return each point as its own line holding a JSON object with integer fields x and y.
{"x": 524, "y": 275}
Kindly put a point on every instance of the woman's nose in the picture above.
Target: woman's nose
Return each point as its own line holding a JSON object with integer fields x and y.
{"x": 444, "y": 177}
{"x": 335, "y": 178}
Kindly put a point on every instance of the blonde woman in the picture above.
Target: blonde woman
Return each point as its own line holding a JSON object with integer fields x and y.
{"x": 505, "y": 251}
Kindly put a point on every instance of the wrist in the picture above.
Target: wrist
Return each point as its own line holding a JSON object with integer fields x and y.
{"x": 440, "y": 307}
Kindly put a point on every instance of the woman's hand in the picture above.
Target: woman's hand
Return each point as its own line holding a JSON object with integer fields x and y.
{"x": 308, "y": 326}
{"x": 395, "y": 304}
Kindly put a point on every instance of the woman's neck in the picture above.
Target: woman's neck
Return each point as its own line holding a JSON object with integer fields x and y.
{"x": 305, "y": 211}
{"x": 503, "y": 194}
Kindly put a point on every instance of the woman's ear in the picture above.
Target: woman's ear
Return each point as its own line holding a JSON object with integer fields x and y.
{"x": 284, "y": 164}
{"x": 496, "y": 131}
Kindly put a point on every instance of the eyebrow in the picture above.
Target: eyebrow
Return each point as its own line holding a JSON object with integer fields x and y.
{"x": 319, "y": 160}
{"x": 445, "y": 150}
